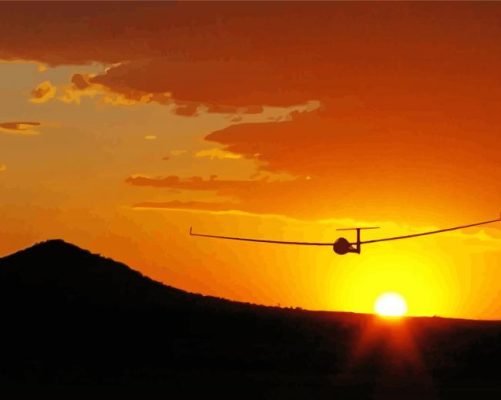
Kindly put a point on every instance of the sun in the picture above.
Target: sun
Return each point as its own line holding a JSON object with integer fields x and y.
{"x": 390, "y": 304}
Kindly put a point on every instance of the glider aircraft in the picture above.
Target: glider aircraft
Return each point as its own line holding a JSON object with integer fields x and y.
{"x": 342, "y": 245}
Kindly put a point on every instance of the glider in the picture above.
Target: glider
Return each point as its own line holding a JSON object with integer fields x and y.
{"x": 342, "y": 245}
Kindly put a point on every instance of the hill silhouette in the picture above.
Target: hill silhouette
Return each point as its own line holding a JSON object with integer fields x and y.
{"x": 77, "y": 322}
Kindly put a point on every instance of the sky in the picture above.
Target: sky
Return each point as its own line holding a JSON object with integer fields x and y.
{"x": 122, "y": 125}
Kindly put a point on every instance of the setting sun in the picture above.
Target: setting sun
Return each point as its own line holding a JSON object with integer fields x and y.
{"x": 390, "y": 305}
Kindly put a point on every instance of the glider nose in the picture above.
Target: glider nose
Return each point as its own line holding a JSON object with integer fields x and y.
{"x": 342, "y": 246}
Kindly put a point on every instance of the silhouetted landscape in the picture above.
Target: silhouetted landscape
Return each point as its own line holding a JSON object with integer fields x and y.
{"x": 77, "y": 322}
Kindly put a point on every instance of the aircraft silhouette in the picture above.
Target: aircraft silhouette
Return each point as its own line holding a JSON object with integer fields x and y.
{"x": 342, "y": 245}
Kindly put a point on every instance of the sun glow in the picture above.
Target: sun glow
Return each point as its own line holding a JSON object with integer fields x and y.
{"x": 390, "y": 305}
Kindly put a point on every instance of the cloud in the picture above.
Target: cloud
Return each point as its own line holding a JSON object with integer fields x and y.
{"x": 19, "y": 128}
{"x": 150, "y": 137}
{"x": 43, "y": 92}
{"x": 172, "y": 181}
{"x": 195, "y": 183}
{"x": 248, "y": 56}
{"x": 340, "y": 164}
{"x": 243, "y": 58}
{"x": 82, "y": 86}
{"x": 376, "y": 158}
{"x": 264, "y": 195}
{"x": 224, "y": 187}
{"x": 216, "y": 153}
{"x": 3, "y": 167}
{"x": 189, "y": 205}
{"x": 242, "y": 86}
{"x": 393, "y": 115}
{"x": 186, "y": 109}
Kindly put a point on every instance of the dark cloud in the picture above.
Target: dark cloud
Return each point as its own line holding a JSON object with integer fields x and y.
{"x": 186, "y": 109}
{"x": 249, "y": 55}
{"x": 19, "y": 127}
{"x": 80, "y": 81}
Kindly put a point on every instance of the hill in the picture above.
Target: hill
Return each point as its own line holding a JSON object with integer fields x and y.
{"x": 77, "y": 322}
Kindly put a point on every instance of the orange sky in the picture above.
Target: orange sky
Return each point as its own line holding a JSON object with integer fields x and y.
{"x": 122, "y": 125}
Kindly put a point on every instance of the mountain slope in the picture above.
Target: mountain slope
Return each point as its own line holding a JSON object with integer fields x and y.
{"x": 61, "y": 273}
{"x": 71, "y": 320}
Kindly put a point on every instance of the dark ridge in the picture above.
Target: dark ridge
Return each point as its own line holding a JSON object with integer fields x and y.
{"x": 100, "y": 281}
{"x": 61, "y": 272}
{"x": 76, "y": 322}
